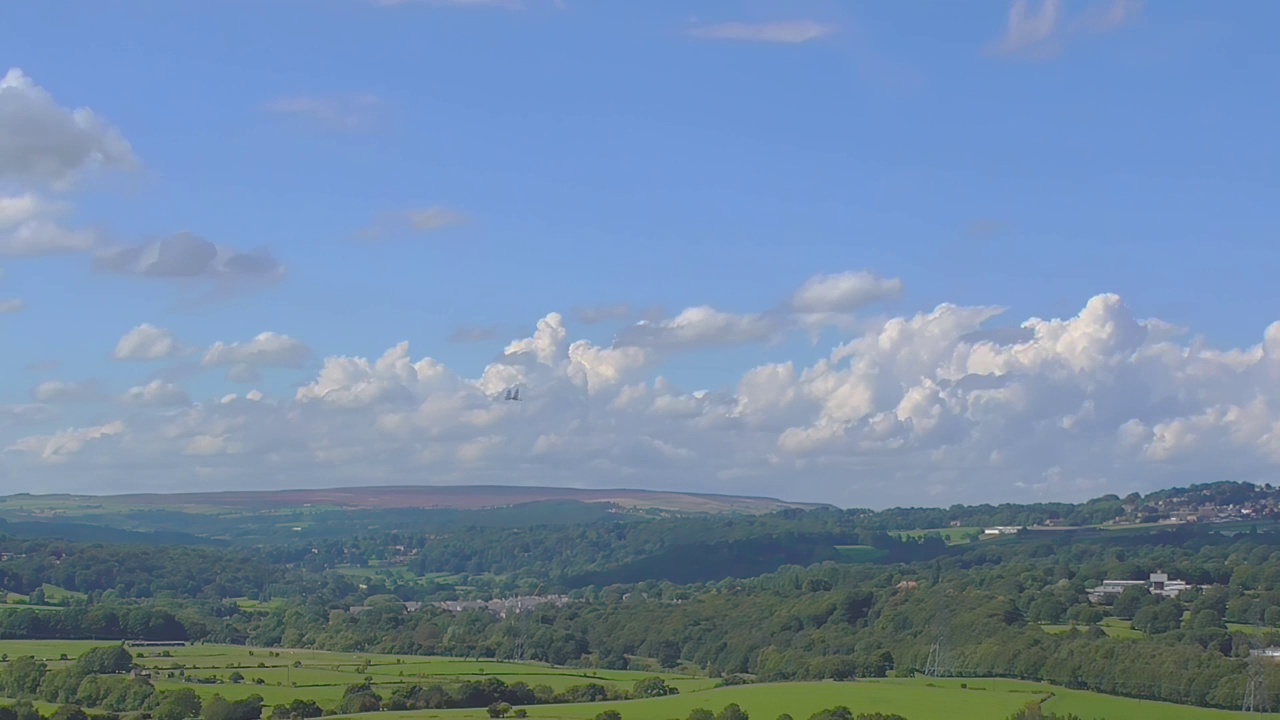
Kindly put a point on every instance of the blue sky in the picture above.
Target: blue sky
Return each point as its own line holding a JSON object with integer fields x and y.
{"x": 434, "y": 172}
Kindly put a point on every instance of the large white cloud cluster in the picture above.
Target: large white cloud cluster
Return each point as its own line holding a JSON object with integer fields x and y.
{"x": 925, "y": 408}
{"x": 47, "y": 150}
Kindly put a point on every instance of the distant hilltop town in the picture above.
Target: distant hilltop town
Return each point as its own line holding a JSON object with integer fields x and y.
{"x": 1221, "y": 502}
{"x": 1218, "y": 502}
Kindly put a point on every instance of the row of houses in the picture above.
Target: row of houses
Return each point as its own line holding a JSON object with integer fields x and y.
{"x": 502, "y": 607}
{"x": 505, "y": 606}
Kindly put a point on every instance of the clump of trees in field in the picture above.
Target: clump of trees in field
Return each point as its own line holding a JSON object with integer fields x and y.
{"x": 494, "y": 694}
{"x": 733, "y": 711}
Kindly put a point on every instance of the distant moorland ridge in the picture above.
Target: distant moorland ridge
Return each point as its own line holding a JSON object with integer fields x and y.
{"x": 459, "y": 497}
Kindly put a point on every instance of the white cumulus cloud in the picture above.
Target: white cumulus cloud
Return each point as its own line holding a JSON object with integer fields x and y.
{"x": 146, "y": 342}
{"x": 157, "y": 393}
{"x": 190, "y": 257}
{"x": 266, "y": 350}
{"x": 44, "y": 143}
{"x": 933, "y": 402}
{"x": 703, "y": 326}
{"x": 61, "y": 446}
{"x": 844, "y": 292}
{"x": 30, "y": 227}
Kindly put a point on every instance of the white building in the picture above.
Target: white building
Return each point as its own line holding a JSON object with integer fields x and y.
{"x": 1158, "y": 583}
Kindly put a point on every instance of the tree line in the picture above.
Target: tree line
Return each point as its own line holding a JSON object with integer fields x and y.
{"x": 996, "y": 608}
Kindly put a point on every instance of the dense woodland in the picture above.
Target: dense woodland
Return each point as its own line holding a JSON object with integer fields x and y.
{"x": 746, "y": 599}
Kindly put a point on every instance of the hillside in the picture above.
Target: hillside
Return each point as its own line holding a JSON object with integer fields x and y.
{"x": 457, "y": 497}
{"x": 786, "y": 597}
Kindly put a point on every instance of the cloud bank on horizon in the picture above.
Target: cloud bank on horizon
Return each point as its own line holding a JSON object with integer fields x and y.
{"x": 907, "y": 408}
{"x": 951, "y": 402}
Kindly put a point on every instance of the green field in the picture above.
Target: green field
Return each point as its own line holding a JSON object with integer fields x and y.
{"x": 915, "y": 699}
{"x": 1249, "y": 629}
{"x": 1123, "y": 629}
{"x": 323, "y": 676}
{"x": 1113, "y": 627}
{"x": 52, "y": 594}
{"x": 952, "y": 535}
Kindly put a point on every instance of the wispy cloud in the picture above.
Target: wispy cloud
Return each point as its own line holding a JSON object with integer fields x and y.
{"x": 503, "y": 4}
{"x": 346, "y": 113}
{"x": 42, "y": 366}
{"x": 428, "y": 220}
{"x": 1112, "y": 16}
{"x": 1038, "y": 29}
{"x": 435, "y": 218}
{"x": 1031, "y": 31}
{"x": 986, "y": 228}
{"x": 784, "y": 32}
{"x": 602, "y": 314}
{"x": 468, "y": 335}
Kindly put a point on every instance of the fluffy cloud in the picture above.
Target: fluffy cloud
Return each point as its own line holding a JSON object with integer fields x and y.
{"x": 45, "y": 148}
{"x": 702, "y": 326}
{"x": 267, "y": 350}
{"x": 43, "y": 143}
{"x": 843, "y": 293}
{"x": 786, "y": 32}
{"x": 61, "y": 446}
{"x": 157, "y": 393}
{"x": 146, "y": 342}
{"x": 932, "y": 403}
{"x": 822, "y": 301}
{"x": 188, "y": 256}
{"x": 30, "y": 227}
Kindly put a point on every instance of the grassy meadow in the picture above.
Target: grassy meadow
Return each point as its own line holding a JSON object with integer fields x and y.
{"x": 1113, "y": 627}
{"x": 915, "y": 699}
{"x": 322, "y": 676}
{"x": 952, "y": 535}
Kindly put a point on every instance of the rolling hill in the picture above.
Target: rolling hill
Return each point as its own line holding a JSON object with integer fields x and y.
{"x": 399, "y": 497}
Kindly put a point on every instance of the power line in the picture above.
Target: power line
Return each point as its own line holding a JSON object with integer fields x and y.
{"x": 940, "y": 662}
{"x": 1256, "y": 697}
